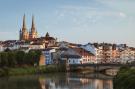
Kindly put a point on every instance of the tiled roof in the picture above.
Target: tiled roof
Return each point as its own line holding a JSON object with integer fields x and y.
{"x": 70, "y": 53}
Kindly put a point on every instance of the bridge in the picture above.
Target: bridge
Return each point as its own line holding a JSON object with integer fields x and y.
{"x": 90, "y": 76}
{"x": 97, "y": 67}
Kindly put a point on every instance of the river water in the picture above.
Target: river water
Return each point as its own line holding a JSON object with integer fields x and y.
{"x": 58, "y": 81}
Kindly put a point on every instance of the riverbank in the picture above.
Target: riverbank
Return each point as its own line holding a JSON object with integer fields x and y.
{"x": 125, "y": 79}
{"x": 31, "y": 70}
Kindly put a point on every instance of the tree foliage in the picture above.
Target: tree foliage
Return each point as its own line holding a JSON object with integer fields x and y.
{"x": 125, "y": 79}
{"x": 19, "y": 58}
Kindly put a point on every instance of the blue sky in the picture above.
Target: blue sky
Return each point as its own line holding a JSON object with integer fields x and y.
{"x": 78, "y": 21}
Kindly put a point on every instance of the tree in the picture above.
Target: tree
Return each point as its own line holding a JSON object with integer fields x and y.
{"x": 11, "y": 59}
{"x": 4, "y": 61}
{"x": 20, "y": 57}
{"x": 37, "y": 56}
{"x": 7, "y": 50}
{"x": 125, "y": 79}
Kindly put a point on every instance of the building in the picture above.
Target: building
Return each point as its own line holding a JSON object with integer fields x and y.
{"x": 1, "y": 48}
{"x": 42, "y": 60}
{"x": 70, "y": 56}
{"x": 98, "y": 54}
{"x": 48, "y": 40}
{"x": 115, "y": 54}
{"x": 86, "y": 56}
{"x": 10, "y": 44}
{"x": 32, "y": 35}
{"x": 48, "y": 55}
{"x": 36, "y": 46}
{"x": 25, "y": 34}
{"x": 127, "y": 55}
{"x": 90, "y": 50}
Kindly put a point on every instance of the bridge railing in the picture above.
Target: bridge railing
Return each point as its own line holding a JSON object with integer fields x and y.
{"x": 109, "y": 64}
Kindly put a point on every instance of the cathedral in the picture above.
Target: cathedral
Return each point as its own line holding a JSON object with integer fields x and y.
{"x": 25, "y": 34}
{"x": 32, "y": 35}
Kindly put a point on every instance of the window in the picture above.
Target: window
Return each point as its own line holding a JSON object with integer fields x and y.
{"x": 73, "y": 61}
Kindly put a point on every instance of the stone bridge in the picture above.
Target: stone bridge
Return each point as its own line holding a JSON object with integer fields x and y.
{"x": 96, "y": 67}
{"x": 90, "y": 76}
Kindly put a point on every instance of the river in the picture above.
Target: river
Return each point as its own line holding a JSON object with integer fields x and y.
{"x": 58, "y": 81}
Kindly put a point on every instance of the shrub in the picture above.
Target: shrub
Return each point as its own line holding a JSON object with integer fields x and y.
{"x": 125, "y": 79}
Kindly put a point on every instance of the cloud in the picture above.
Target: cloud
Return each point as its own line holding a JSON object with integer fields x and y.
{"x": 88, "y": 11}
{"x": 75, "y": 8}
{"x": 86, "y": 17}
{"x": 122, "y": 14}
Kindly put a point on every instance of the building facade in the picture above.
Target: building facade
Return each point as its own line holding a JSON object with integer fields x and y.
{"x": 48, "y": 55}
{"x": 25, "y": 34}
{"x": 32, "y": 36}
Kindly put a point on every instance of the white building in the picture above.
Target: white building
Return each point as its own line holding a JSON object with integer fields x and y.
{"x": 72, "y": 59}
{"x": 91, "y": 53}
{"x": 70, "y": 56}
{"x": 1, "y": 48}
{"x": 99, "y": 54}
{"x": 48, "y": 55}
{"x": 127, "y": 55}
{"x": 36, "y": 46}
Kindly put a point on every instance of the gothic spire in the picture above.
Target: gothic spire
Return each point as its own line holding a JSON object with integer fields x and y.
{"x": 24, "y": 23}
{"x": 33, "y": 24}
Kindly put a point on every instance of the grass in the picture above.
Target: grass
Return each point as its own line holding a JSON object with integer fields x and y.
{"x": 31, "y": 70}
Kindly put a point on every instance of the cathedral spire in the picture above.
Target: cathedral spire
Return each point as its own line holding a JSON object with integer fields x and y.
{"x": 23, "y": 32}
{"x": 33, "y": 24}
{"x": 33, "y": 32}
{"x": 24, "y": 23}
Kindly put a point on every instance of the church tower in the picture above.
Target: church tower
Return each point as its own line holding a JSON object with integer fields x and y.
{"x": 24, "y": 35}
{"x": 33, "y": 32}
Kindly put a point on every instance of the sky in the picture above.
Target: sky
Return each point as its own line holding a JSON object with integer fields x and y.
{"x": 77, "y": 21}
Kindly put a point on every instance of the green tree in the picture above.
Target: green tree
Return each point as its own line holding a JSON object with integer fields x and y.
{"x": 20, "y": 57}
{"x": 125, "y": 79}
{"x": 37, "y": 56}
{"x": 7, "y": 50}
{"x": 11, "y": 59}
{"x": 4, "y": 60}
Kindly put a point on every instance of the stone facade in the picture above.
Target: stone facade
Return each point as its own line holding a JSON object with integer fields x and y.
{"x": 24, "y": 34}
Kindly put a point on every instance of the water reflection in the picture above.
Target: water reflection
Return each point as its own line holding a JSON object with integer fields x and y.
{"x": 20, "y": 82}
{"x": 112, "y": 72}
{"x": 58, "y": 81}
{"x": 70, "y": 81}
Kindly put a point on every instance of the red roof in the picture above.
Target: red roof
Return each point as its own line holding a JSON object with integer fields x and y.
{"x": 83, "y": 52}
